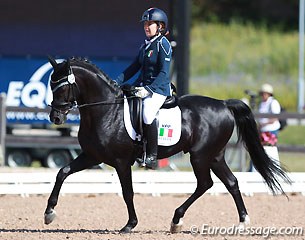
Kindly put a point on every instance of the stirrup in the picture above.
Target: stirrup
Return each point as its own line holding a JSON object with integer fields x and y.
{"x": 151, "y": 162}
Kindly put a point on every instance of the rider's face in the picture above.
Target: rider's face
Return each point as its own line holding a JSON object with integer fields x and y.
{"x": 150, "y": 28}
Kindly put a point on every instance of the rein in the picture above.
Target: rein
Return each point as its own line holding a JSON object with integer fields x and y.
{"x": 104, "y": 102}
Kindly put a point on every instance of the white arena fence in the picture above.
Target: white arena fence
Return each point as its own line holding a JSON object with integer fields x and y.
{"x": 144, "y": 182}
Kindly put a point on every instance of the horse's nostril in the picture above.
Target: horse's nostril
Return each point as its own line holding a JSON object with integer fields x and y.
{"x": 56, "y": 120}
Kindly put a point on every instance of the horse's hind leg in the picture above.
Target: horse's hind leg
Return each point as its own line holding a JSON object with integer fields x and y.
{"x": 204, "y": 182}
{"x": 223, "y": 172}
{"x": 78, "y": 164}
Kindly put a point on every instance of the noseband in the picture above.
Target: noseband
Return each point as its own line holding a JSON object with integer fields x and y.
{"x": 69, "y": 80}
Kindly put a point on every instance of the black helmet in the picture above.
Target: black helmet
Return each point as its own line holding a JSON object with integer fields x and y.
{"x": 155, "y": 14}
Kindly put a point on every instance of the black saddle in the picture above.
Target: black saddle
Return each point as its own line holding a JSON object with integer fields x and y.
{"x": 170, "y": 102}
{"x": 135, "y": 106}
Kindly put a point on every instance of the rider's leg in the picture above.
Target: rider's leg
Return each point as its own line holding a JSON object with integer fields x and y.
{"x": 151, "y": 135}
{"x": 151, "y": 106}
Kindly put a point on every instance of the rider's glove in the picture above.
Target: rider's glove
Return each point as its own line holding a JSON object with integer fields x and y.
{"x": 141, "y": 92}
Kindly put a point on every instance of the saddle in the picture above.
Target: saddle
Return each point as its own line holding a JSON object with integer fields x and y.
{"x": 135, "y": 106}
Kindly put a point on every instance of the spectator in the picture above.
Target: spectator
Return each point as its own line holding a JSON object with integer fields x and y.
{"x": 269, "y": 104}
{"x": 268, "y": 127}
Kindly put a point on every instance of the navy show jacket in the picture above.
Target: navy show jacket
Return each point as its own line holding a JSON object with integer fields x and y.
{"x": 153, "y": 61}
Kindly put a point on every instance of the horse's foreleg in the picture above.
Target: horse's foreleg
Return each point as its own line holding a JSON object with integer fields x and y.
{"x": 76, "y": 165}
{"x": 204, "y": 182}
{"x": 125, "y": 177}
{"x": 223, "y": 172}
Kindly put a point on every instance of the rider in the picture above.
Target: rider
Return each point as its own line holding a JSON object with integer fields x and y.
{"x": 153, "y": 83}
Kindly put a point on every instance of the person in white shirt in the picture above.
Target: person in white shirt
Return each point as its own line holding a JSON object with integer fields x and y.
{"x": 268, "y": 127}
{"x": 269, "y": 104}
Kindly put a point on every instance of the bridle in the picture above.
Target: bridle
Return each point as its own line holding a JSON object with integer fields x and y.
{"x": 65, "y": 107}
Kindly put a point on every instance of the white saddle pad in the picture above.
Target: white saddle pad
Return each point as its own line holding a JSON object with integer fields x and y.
{"x": 169, "y": 125}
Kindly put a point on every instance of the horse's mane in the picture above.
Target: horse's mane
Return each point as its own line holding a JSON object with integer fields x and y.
{"x": 85, "y": 63}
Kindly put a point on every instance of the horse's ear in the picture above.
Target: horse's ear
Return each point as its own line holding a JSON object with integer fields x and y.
{"x": 68, "y": 62}
{"x": 53, "y": 62}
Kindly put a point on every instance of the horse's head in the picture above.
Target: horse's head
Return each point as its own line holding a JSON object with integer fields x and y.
{"x": 63, "y": 88}
{"x": 96, "y": 87}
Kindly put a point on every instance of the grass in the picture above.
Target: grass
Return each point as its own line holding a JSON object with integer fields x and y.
{"x": 227, "y": 59}
{"x": 293, "y": 135}
{"x": 294, "y": 162}
{"x": 235, "y": 47}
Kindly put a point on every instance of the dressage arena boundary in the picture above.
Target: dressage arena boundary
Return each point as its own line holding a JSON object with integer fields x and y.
{"x": 144, "y": 182}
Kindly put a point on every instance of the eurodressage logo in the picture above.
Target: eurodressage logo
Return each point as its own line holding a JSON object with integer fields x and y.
{"x": 150, "y": 53}
{"x": 236, "y": 230}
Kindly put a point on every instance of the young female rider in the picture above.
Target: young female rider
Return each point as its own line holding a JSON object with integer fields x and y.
{"x": 153, "y": 83}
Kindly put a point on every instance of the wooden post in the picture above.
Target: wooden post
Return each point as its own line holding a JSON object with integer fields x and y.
{"x": 2, "y": 128}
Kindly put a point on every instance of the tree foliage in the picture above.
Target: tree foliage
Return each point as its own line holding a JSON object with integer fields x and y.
{"x": 282, "y": 14}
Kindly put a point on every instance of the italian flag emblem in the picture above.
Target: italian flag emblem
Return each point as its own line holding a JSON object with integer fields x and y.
{"x": 166, "y": 132}
{"x": 150, "y": 53}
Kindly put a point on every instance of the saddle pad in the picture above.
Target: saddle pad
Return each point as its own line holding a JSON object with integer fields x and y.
{"x": 169, "y": 125}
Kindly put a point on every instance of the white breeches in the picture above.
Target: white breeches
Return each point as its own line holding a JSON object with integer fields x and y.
{"x": 151, "y": 106}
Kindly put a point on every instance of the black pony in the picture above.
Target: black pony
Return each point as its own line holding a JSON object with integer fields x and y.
{"x": 207, "y": 125}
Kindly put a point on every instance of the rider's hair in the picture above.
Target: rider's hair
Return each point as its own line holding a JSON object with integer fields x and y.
{"x": 164, "y": 31}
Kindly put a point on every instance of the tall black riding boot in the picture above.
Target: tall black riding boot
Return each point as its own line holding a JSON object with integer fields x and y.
{"x": 151, "y": 134}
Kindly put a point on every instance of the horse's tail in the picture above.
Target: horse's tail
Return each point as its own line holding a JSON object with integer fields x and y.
{"x": 248, "y": 133}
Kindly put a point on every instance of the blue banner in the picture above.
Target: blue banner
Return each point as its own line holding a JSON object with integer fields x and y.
{"x": 26, "y": 84}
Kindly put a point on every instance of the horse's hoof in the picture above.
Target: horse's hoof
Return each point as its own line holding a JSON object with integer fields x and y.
{"x": 126, "y": 229}
{"x": 49, "y": 217}
{"x": 176, "y": 228}
{"x": 245, "y": 223}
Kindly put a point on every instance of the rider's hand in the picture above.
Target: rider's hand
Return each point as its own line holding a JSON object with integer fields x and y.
{"x": 141, "y": 92}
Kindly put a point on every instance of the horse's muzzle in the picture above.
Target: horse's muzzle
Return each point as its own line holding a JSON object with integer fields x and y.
{"x": 57, "y": 117}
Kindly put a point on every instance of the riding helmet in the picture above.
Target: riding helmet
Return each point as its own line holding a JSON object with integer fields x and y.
{"x": 155, "y": 14}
